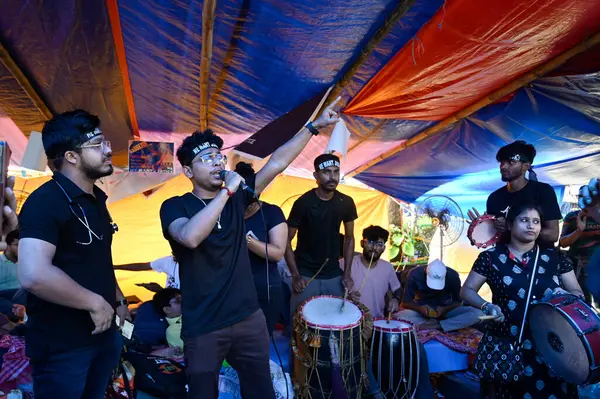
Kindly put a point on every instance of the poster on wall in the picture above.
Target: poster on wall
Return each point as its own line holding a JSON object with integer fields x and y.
{"x": 150, "y": 156}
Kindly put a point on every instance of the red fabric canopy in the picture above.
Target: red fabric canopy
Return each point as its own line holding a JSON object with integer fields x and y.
{"x": 469, "y": 49}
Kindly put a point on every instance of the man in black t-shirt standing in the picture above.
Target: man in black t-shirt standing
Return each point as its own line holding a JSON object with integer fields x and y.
{"x": 221, "y": 317}
{"x": 317, "y": 216}
{"x": 515, "y": 160}
{"x": 65, "y": 264}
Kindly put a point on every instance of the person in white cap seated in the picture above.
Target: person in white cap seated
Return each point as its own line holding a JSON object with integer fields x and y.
{"x": 431, "y": 299}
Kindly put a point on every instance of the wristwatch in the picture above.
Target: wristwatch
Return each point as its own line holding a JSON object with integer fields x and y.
{"x": 122, "y": 302}
{"x": 312, "y": 129}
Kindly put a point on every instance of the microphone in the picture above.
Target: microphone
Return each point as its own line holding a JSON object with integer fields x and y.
{"x": 243, "y": 185}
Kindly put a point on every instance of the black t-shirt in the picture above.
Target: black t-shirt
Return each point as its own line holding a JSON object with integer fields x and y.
{"x": 273, "y": 216}
{"x": 217, "y": 286}
{"x": 419, "y": 293}
{"x": 540, "y": 194}
{"x": 318, "y": 223}
{"x": 45, "y": 215}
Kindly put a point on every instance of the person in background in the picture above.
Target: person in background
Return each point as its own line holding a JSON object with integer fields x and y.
{"x": 581, "y": 234}
{"x": 167, "y": 303}
{"x": 507, "y": 270}
{"x": 167, "y": 265}
{"x": 515, "y": 161}
{"x": 317, "y": 216}
{"x": 266, "y": 234}
{"x": 65, "y": 264}
{"x": 432, "y": 299}
{"x": 10, "y": 288}
{"x": 373, "y": 278}
{"x": 588, "y": 198}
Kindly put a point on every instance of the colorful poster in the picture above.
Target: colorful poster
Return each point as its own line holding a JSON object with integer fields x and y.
{"x": 151, "y": 156}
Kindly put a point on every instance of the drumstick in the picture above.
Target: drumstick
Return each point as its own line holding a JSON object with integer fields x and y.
{"x": 366, "y": 274}
{"x": 317, "y": 273}
{"x": 344, "y": 300}
{"x": 389, "y": 317}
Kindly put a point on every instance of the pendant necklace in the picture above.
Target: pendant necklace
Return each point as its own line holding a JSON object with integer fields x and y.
{"x": 205, "y": 205}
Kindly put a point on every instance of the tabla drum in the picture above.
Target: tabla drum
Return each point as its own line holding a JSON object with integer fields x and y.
{"x": 566, "y": 333}
{"x": 482, "y": 233}
{"x": 395, "y": 357}
{"x": 328, "y": 349}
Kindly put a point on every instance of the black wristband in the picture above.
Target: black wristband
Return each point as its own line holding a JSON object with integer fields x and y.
{"x": 312, "y": 129}
{"x": 122, "y": 302}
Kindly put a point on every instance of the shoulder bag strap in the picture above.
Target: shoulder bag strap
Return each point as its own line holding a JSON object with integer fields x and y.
{"x": 533, "y": 273}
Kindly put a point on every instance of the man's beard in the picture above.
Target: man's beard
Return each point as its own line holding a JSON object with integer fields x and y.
{"x": 95, "y": 173}
{"x": 367, "y": 255}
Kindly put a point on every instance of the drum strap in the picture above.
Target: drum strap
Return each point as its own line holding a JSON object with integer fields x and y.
{"x": 537, "y": 255}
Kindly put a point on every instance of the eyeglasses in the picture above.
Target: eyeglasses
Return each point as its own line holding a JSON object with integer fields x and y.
{"x": 376, "y": 244}
{"x": 211, "y": 159}
{"x": 104, "y": 145}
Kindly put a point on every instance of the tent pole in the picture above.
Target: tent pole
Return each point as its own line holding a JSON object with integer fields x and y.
{"x": 24, "y": 82}
{"x": 516, "y": 84}
{"x": 390, "y": 21}
{"x": 208, "y": 21}
{"x": 117, "y": 32}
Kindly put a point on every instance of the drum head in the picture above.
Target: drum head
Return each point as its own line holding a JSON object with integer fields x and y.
{"x": 557, "y": 341}
{"x": 325, "y": 312}
{"x": 392, "y": 325}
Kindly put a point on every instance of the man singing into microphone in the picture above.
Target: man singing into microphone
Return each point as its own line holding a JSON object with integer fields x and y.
{"x": 221, "y": 316}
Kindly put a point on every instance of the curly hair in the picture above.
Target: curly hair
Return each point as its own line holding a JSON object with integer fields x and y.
{"x": 185, "y": 152}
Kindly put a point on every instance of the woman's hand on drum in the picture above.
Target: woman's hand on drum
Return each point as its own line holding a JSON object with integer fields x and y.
{"x": 560, "y": 291}
{"x": 298, "y": 283}
{"x": 494, "y": 310}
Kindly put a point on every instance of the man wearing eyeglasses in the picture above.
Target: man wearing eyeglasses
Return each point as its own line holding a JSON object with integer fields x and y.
{"x": 65, "y": 263}
{"x": 221, "y": 317}
{"x": 373, "y": 279}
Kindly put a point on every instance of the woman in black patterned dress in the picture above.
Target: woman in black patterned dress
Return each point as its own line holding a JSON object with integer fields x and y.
{"x": 507, "y": 270}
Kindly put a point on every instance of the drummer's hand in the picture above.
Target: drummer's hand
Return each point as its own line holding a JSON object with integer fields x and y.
{"x": 429, "y": 312}
{"x": 560, "y": 291}
{"x": 348, "y": 282}
{"x": 587, "y": 194}
{"x": 500, "y": 224}
{"x": 473, "y": 214}
{"x": 298, "y": 283}
{"x": 495, "y": 310}
{"x": 354, "y": 296}
{"x": 393, "y": 305}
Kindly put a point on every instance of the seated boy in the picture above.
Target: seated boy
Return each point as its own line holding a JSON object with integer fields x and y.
{"x": 167, "y": 303}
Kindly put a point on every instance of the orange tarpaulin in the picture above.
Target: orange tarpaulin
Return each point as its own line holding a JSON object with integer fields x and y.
{"x": 469, "y": 49}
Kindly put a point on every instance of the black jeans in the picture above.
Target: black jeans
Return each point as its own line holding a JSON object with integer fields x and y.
{"x": 80, "y": 373}
{"x": 245, "y": 345}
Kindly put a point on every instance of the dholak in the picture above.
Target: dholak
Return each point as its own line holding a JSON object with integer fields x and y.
{"x": 395, "y": 357}
{"x": 566, "y": 333}
{"x": 482, "y": 233}
{"x": 327, "y": 347}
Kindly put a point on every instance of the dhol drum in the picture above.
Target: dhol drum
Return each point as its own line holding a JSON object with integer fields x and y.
{"x": 330, "y": 356}
{"x": 395, "y": 357}
{"x": 482, "y": 233}
{"x": 566, "y": 333}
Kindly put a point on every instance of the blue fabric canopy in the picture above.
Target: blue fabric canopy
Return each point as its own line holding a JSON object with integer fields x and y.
{"x": 554, "y": 114}
{"x": 268, "y": 58}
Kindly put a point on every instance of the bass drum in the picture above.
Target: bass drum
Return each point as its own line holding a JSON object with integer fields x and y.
{"x": 566, "y": 333}
{"x": 395, "y": 358}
